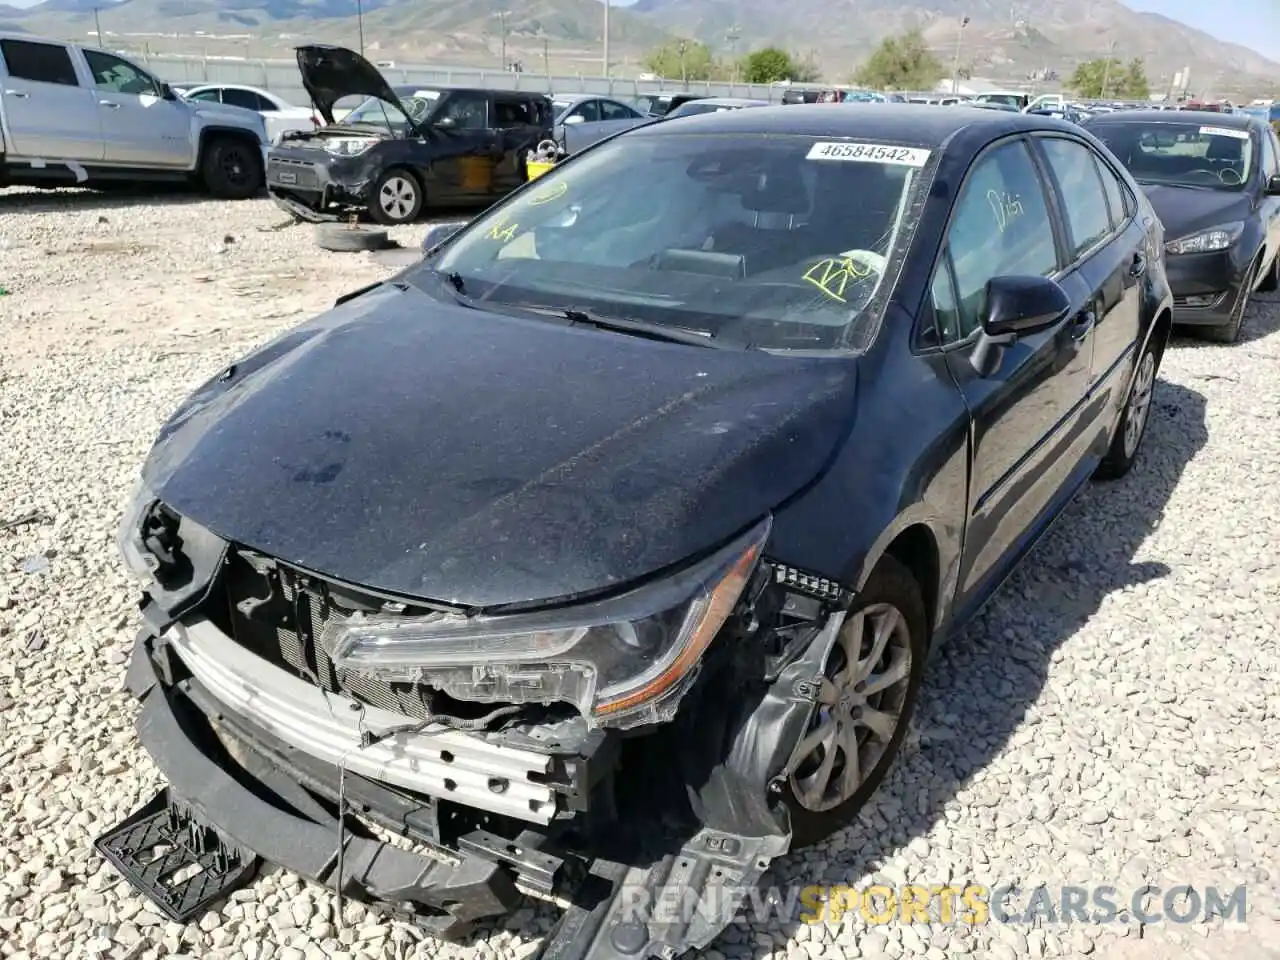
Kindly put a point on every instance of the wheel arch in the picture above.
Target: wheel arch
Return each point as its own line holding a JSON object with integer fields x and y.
{"x": 217, "y": 132}
{"x": 915, "y": 544}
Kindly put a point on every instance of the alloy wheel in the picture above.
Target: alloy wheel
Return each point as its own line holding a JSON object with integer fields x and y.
{"x": 397, "y": 198}
{"x": 234, "y": 166}
{"x": 1135, "y": 418}
{"x": 861, "y": 701}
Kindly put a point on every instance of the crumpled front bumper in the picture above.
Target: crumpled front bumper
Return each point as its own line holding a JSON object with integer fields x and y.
{"x": 260, "y": 795}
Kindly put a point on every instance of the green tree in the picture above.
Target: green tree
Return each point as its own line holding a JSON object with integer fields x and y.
{"x": 1134, "y": 84}
{"x": 772, "y": 64}
{"x": 767, "y": 66}
{"x": 901, "y": 63}
{"x": 683, "y": 60}
{"x": 1105, "y": 77}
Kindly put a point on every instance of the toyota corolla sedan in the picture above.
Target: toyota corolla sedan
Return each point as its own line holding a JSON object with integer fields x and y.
{"x": 1214, "y": 181}
{"x": 598, "y": 556}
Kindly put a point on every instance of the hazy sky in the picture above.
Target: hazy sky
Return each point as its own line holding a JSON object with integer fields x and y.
{"x": 1255, "y": 23}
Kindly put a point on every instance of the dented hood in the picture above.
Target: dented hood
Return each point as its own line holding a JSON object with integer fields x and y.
{"x": 429, "y": 450}
{"x": 330, "y": 73}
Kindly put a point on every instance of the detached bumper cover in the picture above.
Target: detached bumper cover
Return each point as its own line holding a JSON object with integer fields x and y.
{"x": 312, "y": 189}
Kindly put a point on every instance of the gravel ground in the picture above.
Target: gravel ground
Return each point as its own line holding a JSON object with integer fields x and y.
{"x": 1112, "y": 718}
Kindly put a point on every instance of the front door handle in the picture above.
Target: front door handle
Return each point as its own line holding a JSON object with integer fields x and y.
{"x": 18, "y": 94}
{"x": 1139, "y": 265}
{"x": 1083, "y": 324}
{"x": 109, "y": 103}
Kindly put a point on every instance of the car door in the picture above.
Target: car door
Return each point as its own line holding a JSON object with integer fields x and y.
{"x": 1270, "y": 161}
{"x": 465, "y": 154}
{"x": 1108, "y": 247}
{"x": 49, "y": 110}
{"x": 139, "y": 125}
{"x": 515, "y": 132}
{"x": 1025, "y": 452}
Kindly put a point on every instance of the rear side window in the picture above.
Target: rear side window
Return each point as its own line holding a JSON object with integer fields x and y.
{"x": 614, "y": 111}
{"x": 1082, "y": 192}
{"x": 1121, "y": 211}
{"x": 244, "y": 98}
{"x": 513, "y": 113}
{"x": 40, "y": 62}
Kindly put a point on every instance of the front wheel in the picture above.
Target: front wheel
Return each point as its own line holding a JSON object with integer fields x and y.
{"x": 232, "y": 169}
{"x": 867, "y": 694}
{"x": 397, "y": 198}
{"x": 1133, "y": 419}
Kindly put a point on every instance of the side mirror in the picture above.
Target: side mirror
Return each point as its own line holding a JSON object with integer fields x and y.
{"x": 166, "y": 92}
{"x": 438, "y": 233}
{"x": 1016, "y": 305}
{"x": 576, "y": 118}
{"x": 1273, "y": 185}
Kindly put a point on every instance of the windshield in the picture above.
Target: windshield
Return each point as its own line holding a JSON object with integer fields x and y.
{"x": 701, "y": 106}
{"x": 382, "y": 114}
{"x": 1180, "y": 153}
{"x": 781, "y": 242}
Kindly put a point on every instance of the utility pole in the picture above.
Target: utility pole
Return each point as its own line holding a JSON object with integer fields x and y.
{"x": 97, "y": 27}
{"x": 732, "y": 36}
{"x": 604, "y": 59}
{"x": 546, "y": 60}
{"x": 360, "y": 23}
{"x": 684, "y": 75}
{"x": 1106, "y": 69}
{"x": 955, "y": 62}
{"x": 502, "y": 20}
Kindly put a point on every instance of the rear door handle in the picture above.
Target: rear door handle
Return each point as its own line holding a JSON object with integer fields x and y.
{"x": 18, "y": 94}
{"x": 110, "y": 104}
{"x": 1139, "y": 265}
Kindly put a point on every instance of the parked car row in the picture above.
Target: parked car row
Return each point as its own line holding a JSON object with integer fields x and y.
{"x": 550, "y": 587}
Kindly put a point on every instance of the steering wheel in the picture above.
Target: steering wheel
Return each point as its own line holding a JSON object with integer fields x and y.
{"x": 1234, "y": 175}
{"x": 1211, "y": 174}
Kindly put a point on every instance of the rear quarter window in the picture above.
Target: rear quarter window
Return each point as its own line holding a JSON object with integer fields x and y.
{"x": 38, "y": 62}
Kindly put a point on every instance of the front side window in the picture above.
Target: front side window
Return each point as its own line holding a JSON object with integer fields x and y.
{"x": 39, "y": 62}
{"x": 1083, "y": 196}
{"x": 212, "y": 95}
{"x": 1000, "y": 227}
{"x": 588, "y": 110}
{"x": 1180, "y": 152}
{"x": 467, "y": 111}
{"x": 781, "y": 242}
{"x": 119, "y": 76}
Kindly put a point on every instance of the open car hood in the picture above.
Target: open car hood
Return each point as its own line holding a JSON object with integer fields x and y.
{"x": 330, "y": 73}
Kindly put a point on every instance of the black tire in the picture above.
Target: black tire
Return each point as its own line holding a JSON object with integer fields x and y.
{"x": 1272, "y": 280}
{"x": 1131, "y": 428}
{"x": 1229, "y": 332}
{"x": 231, "y": 169}
{"x": 349, "y": 238}
{"x": 397, "y": 198}
{"x": 890, "y": 584}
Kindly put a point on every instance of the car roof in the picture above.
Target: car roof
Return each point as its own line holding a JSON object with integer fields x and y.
{"x": 1232, "y": 121}
{"x": 894, "y": 122}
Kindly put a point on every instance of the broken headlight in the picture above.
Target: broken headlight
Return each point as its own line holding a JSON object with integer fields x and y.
{"x": 623, "y": 662}
{"x": 129, "y": 537}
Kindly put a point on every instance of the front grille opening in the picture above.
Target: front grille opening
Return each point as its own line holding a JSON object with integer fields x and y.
{"x": 278, "y": 614}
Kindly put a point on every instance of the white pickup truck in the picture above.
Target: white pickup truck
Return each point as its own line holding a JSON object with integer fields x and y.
{"x": 77, "y": 116}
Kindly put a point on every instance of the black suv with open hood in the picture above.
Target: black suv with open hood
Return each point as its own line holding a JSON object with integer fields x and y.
{"x": 404, "y": 147}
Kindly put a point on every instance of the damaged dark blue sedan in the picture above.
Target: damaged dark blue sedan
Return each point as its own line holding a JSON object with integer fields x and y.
{"x": 597, "y": 557}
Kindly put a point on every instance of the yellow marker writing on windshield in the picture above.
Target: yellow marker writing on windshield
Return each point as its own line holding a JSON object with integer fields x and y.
{"x": 549, "y": 194}
{"x": 832, "y": 276}
{"x": 506, "y": 232}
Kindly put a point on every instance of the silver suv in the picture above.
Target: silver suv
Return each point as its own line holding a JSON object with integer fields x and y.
{"x": 73, "y": 115}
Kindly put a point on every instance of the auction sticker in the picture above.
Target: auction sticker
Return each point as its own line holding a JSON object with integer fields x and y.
{"x": 870, "y": 153}
{"x": 1224, "y": 132}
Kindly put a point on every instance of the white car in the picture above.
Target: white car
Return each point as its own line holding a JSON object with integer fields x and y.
{"x": 279, "y": 115}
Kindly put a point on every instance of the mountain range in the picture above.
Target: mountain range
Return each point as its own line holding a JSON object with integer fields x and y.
{"x": 1007, "y": 39}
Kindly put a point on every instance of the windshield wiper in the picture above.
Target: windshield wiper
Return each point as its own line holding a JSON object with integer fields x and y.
{"x": 635, "y": 328}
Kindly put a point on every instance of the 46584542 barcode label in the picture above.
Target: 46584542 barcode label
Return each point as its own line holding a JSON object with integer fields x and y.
{"x": 870, "y": 153}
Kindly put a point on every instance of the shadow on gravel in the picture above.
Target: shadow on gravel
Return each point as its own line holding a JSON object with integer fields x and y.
{"x": 981, "y": 685}
{"x": 1261, "y": 320}
{"x": 72, "y": 200}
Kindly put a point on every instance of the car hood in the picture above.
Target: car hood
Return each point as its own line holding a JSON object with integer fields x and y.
{"x": 433, "y": 451}
{"x": 242, "y": 116}
{"x": 330, "y": 73}
{"x": 1187, "y": 210}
